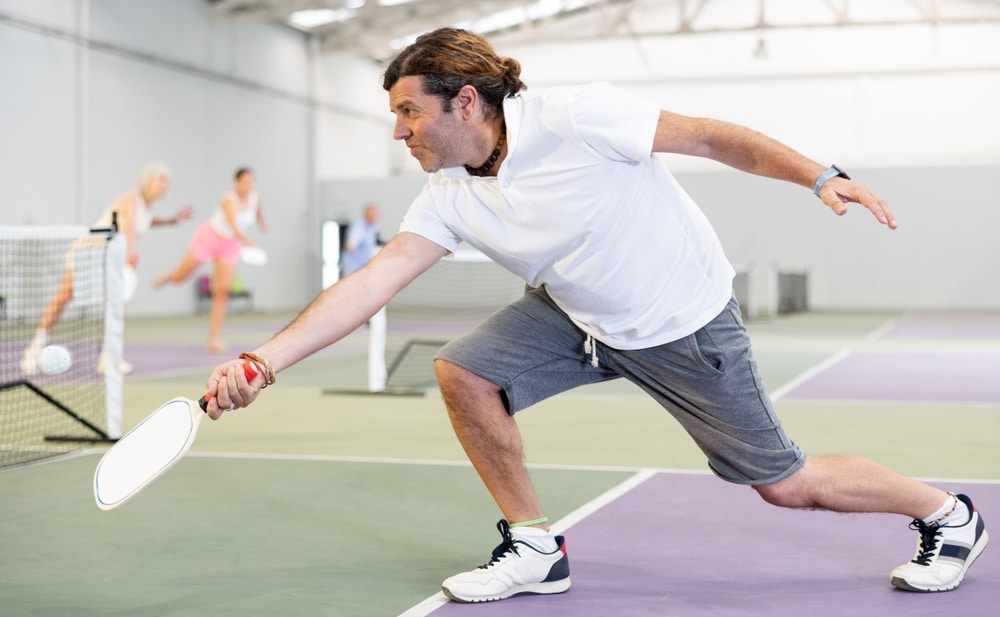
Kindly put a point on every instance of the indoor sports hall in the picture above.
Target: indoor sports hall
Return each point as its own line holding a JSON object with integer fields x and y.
{"x": 342, "y": 490}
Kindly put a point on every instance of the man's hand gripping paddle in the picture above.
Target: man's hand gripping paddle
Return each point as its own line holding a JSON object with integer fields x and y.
{"x": 151, "y": 448}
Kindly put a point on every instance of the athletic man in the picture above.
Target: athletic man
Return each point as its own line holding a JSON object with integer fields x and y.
{"x": 627, "y": 280}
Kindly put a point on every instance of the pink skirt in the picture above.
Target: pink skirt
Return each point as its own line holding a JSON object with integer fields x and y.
{"x": 208, "y": 245}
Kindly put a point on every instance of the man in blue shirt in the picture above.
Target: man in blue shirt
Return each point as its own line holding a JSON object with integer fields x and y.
{"x": 360, "y": 242}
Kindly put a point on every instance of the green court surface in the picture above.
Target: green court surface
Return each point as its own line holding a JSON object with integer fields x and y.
{"x": 359, "y": 505}
{"x": 245, "y": 536}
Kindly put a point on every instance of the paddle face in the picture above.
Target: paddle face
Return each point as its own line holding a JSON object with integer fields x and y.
{"x": 146, "y": 452}
{"x": 130, "y": 282}
{"x": 151, "y": 448}
{"x": 253, "y": 255}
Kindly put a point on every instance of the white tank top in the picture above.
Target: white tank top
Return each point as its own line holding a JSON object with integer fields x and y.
{"x": 142, "y": 216}
{"x": 245, "y": 213}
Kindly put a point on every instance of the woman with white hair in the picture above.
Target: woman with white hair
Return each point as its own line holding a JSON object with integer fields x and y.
{"x": 133, "y": 212}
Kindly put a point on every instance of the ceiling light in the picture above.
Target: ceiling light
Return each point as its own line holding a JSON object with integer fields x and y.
{"x": 311, "y": 18}
{"x": 503, "y": 19}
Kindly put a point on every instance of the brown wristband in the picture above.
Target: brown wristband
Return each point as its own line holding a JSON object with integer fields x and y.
{"x": 269, "y": 376}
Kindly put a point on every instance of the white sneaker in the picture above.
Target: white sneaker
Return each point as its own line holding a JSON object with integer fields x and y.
{"x": 29, "y": 359}
{"x": 944, "y": 553}
{"x": 124, "y": 367}
{"x": 516, "y": 568}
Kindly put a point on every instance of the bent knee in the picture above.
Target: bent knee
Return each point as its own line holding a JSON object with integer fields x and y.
{"x": 446, "y": 372}
{"x": 788, "y": 493}
{"x": 460, "y": 387}
{"x": 449, "y": 374}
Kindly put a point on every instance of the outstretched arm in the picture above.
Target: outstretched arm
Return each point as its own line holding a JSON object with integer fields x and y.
{"x": 183, "y": 213}
{"x": 261, "y": 221}
{"x": 752, "y": 152}
{"x": 229, "y": 209}
{"x": 335, "y": 313}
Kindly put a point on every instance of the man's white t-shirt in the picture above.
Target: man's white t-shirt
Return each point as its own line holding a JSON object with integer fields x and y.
{"x": 581, "y": 206}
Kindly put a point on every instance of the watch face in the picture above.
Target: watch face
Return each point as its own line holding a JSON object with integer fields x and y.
{"x": 841, "y": 172}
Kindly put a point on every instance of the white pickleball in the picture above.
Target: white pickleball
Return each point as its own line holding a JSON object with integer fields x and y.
{"x": 54, "y": 359}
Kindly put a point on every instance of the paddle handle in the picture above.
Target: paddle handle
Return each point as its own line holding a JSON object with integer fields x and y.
{"x": 249, "y": 371}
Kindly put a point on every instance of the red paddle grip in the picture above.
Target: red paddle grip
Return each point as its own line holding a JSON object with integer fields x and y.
{"x": 249, "y": 371}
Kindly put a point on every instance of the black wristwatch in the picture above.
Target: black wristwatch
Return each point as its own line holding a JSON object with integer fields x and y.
{"x": 833, "y": 171}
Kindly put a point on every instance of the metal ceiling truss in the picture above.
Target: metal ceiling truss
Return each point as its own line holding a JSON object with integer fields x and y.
{"x": 373, "y": 27}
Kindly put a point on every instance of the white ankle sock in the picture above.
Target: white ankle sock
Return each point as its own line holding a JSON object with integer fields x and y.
{"x": 544, "y": 541}
{"x": 41, "y": 338}
{"x": 958, "y": 517}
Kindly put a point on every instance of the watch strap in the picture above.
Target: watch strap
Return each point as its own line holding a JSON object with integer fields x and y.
{"x": 832, "y": 172}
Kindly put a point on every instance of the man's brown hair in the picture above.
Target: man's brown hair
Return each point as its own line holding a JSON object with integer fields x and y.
{"x": 450, "y": 58}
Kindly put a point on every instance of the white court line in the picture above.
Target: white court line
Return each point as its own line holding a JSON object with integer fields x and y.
{"x": 885, "y": 328}
{"x": 882, "y": 330}
{"x": 798, "y": 380}
{"x": 640, "y": 473}
{"x": 600, "y": 501}
{"x": 51, "y": 459}
{"x": 809, "y": 374}
{"x": 437, "y": 600}
{"x": 334, "y": 458}
{"x": 426, "y": 607}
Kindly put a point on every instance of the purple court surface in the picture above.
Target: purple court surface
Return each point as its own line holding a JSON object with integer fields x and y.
{"x": 692, "y": 545}
{"x": 928, "y": 377}
{"x": 950, "y": 326}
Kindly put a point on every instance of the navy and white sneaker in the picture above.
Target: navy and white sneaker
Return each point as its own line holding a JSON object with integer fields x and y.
{"x": 516, "y": 568}
{"x": 944, "y": 553}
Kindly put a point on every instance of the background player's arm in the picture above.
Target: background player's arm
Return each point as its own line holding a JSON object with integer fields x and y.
{"x": 183, "y": 213}
{"x": 261, "y": 221}
{"x": 229, "y": 208}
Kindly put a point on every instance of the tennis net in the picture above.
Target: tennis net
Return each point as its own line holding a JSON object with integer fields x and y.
{"x": 61, "y": 287}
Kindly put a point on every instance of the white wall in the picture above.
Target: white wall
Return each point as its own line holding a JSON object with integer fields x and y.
{"x": 354, "y": 126}
{"x": 93, "y": 89}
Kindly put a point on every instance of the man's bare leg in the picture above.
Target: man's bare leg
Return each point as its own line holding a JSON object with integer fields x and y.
{"x": 491, "y": 440}
{"x": 853, "y": 484}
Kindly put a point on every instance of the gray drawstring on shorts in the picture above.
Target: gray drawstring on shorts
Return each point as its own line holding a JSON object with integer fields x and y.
{"x": 589, "y": 346}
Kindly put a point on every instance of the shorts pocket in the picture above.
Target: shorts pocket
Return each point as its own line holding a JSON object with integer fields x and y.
{"x": 706, "y": 353}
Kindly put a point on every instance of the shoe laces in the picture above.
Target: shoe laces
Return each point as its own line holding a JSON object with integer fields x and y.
{"x": 504, "y": 547}
{"x": 929, "y": 537}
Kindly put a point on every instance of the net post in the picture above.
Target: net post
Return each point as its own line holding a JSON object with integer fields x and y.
{"x": 114, "y": 329}
{"x": 377, "y": 374}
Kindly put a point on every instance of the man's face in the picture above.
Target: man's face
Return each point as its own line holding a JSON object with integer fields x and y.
{"x": 434, "y": 136}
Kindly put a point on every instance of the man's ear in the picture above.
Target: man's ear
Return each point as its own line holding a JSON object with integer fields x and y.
{"x": 467, "y": 101}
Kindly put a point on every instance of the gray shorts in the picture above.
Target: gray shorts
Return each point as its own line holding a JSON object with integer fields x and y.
{"x": 708, "y": 381}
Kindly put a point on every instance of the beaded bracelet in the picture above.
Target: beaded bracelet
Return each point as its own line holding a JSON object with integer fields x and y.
{"x": 269, "y": 376}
